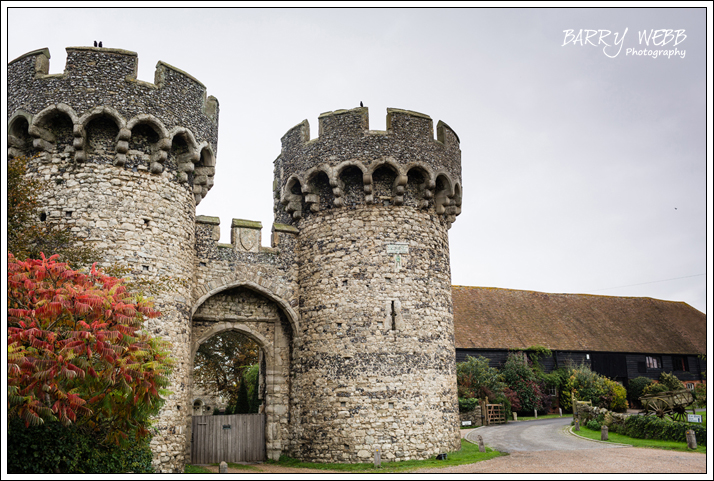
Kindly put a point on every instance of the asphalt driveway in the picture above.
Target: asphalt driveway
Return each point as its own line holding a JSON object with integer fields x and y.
{"x": 538, "y": 435}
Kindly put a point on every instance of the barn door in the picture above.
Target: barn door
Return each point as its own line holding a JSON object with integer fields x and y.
{"x": 234, "y": 438}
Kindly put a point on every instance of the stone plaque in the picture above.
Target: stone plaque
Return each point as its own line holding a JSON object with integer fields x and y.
{"x": 397, "y": 249}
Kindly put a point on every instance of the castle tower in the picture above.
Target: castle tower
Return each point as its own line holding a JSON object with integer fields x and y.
{"x": 125, "y": 162}
{"x": 374, "y": 365}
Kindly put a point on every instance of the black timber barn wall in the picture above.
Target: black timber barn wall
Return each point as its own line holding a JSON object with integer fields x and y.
{"x": 618, "y": 366}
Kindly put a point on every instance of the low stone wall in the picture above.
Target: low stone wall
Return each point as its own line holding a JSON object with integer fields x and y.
{"x": 586, "y": 412}
{"x": 473, "y": 416}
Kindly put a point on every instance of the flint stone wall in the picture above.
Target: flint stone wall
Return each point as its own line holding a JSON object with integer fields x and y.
{"x": 377, "y": 364}
{"x": 146, "y": 222}
{"x": 473, "y": 416}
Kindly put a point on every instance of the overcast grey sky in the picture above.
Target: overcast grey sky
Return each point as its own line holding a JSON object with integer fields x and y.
{"x": 584, "y": 166}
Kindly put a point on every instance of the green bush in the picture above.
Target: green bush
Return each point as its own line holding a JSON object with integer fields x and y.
{"x": 467, "y": 404}
{"x": 476, "y": 379}
{"x": 700, "y": 394}
{"x": 586, "y": 384}
{"x": 635, "y": 388}
{"x": 518, "y": 375}
{"x": 594, "y": 425}
{"x": 651, "y": 427}
{"x": 616, "y": 397}
{"x": 670, "y": 381}
{"x": 666, "y": 382}
{"x": 54, "y": 448}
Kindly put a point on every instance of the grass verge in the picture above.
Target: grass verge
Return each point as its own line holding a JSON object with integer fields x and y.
{"x": 191, "y": 469}
{"x": 640, "y": 443}
{"x": 469, "y": 454}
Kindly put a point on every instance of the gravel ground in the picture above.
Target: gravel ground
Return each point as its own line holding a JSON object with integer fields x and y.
{"x": 271, "y": 468}
{"x": 598, "y": 458}
{"x": 623, "y": 460}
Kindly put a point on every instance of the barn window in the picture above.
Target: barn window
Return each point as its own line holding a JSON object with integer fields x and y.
{"x": 679, "y": 363}
{"x": 653, "y": 362}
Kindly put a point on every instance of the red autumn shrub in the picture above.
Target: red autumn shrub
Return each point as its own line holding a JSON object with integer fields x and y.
{"x": 76, "y": 352}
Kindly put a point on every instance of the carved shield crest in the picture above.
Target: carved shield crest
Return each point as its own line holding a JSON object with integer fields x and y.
{"x": 247, "y": 239}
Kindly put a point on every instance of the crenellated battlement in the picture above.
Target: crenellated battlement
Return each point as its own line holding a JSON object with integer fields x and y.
{"x": 99, "y": 68}
{"x": 245, "y": 235}
{"x": 348, "y": 164}
{"x": 85, "y": 113}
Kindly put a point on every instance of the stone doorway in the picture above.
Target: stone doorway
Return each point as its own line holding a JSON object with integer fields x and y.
{"x": 258, "y": 317}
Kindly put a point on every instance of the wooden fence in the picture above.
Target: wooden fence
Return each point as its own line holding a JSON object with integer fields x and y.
{"x": 233, "y": 438}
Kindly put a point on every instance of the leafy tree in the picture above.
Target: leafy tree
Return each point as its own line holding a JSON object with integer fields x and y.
{"x": 519, "y": 376}
{"x": 76, "y": 352}
{"x": 221, "y": 362}
{"x": 252, "y": 378}
{"x": 475, "y": 379}
{"x": 241, "y": 406}
{"x": 27, "y": 235}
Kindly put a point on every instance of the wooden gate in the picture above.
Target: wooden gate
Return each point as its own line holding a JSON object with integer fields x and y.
{"x": 495, "y": 414}
{"x": 233, "y": 438}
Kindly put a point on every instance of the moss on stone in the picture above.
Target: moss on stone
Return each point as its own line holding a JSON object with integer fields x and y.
{"x": 250, "y": 224}
{"x": 205, "y": 219}
{"x": 285, "y": 228}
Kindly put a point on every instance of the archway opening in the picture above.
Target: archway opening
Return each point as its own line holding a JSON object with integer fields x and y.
{"x": 227, "y": 374}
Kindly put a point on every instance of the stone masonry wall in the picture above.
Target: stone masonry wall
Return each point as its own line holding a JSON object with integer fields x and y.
{"x": 251, "y": 289}
{"x": 377, "y": 363}
{"x": 125, "y": 163}
{"x": 143, "y": 221}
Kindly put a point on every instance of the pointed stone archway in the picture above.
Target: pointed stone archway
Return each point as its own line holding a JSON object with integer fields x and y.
{"x": 243, "y": 309}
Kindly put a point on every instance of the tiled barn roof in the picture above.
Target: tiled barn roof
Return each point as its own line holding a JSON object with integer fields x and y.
{"x": 492, "y": 318}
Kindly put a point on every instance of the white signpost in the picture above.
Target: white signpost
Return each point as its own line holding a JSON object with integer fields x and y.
{"x": 694, "y": 418}
{"x": 397, "y": 248}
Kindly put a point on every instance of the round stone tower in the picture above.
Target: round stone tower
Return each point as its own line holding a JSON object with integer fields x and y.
{"x": 125, "y": 162}
{"x": 374, "y": 365}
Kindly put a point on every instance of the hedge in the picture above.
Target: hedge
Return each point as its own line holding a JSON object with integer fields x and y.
{"x": 54, "y": 448}
{"x": 651, "y": 427}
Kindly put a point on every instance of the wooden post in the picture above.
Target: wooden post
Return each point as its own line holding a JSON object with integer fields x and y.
{"x": 377, "y": 458}
{"x": 577, "y": 425}
{"x": 691, "y": 439}
{"x": 515, "y": 416}
{"x": 535, "y": 413}
{"x": 560, "y": 412}
{"x": 603, "y": 433}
